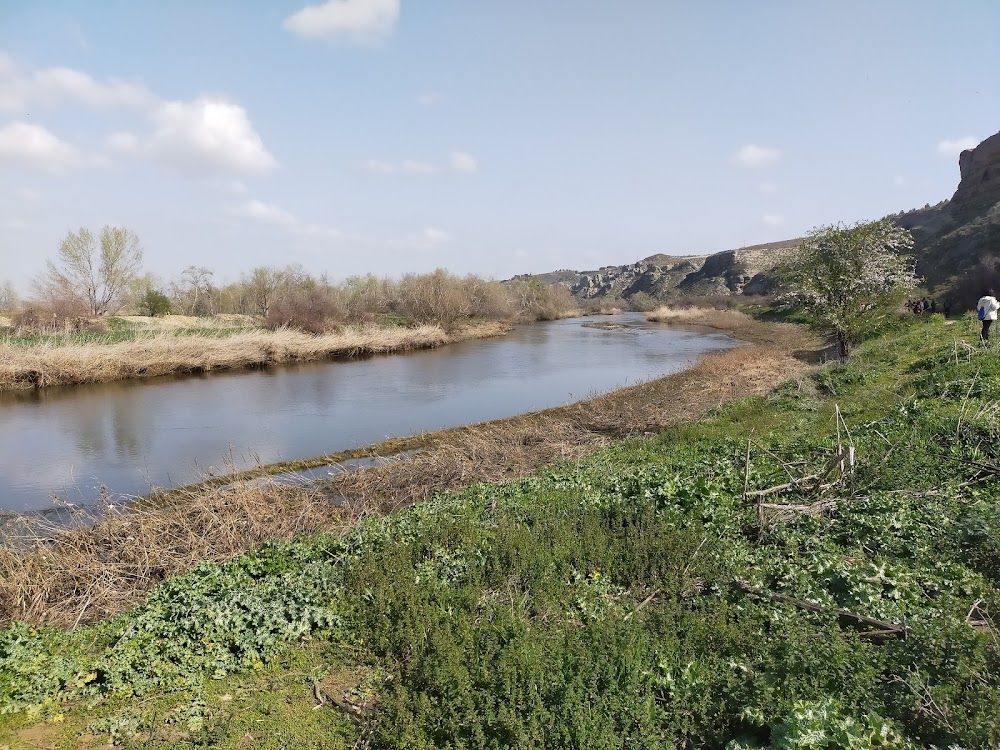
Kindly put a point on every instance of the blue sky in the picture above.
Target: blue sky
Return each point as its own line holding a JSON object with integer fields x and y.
{"x": 491, "y": 136}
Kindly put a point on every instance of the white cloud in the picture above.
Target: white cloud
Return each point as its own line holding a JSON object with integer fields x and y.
{"x": 200, "y": 137}
{"x": 773, "y": 220}
{"x": 462, "y": 162}
{"x": 767, "y": 187}
{"x": 35, "y": 147}
{"x": 268, "y": 213}
{"x": 357, "y": 20}
{"x": 458, "y": 162}
{"x": 379, "y": 166}
{"x": 757, "y": 156}
{"x": 900, "y": 182}
{"x": 29, "y": 195}
{"x": 56, "y": 86}
{"x": 232, "y": 187}
{"x": 951, "y": 149}
{"x": 430, "y": 99}
{"x": 412, "y": 166}
{"x": 436, "y": 236}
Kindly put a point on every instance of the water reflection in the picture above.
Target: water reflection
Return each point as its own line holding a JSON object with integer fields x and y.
{"x": 171, "y": 431}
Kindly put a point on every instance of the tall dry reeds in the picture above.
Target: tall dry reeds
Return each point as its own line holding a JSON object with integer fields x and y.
{"x": 49, "y": 364}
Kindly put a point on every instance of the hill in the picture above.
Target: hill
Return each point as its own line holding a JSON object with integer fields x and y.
{"x": 740, "y": 271}
{"x": 957, "y": 249}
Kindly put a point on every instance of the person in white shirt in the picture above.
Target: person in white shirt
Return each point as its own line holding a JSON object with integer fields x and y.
{"x": 987, "y": 312}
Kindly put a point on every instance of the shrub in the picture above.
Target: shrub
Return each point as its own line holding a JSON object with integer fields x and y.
{"x": 154, "y": 303}
{"x": 314, "y": 307}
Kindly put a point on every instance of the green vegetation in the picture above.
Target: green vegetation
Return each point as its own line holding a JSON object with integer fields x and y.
{"x": 632, "y": 599}
{"x": 852, "y": 279}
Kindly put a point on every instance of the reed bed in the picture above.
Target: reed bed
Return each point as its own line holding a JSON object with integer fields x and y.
{"x": 163, "y": 353}
{"x": 65, "y": 577}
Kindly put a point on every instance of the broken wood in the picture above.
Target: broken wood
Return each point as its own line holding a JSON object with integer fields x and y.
{"x": 882, "y": 628}
{"x": 782, "y": 487}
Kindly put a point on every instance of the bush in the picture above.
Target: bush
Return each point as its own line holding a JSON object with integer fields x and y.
{"x": 313, "y": 307}
{"x": 154, "y": 303}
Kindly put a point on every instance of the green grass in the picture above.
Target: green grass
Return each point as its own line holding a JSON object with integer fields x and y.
{"x": 595, "y": 604}
{"x": 117, "y": 335}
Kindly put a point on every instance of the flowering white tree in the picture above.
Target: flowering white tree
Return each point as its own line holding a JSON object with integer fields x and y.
{"x": 851, "y": 278}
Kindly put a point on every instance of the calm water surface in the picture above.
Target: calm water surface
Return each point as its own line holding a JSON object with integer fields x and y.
{"x": 166, "y": 432}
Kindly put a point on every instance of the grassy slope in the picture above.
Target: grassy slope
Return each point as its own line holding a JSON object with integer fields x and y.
{"x": 593, "y": 604}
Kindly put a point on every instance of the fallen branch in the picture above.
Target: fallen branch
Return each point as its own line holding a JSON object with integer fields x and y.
{"x": 643, "y": 603}
{"x": 811, "y": 509}
{"x": 883, "y": 629}
{"x": 782, "y": 487}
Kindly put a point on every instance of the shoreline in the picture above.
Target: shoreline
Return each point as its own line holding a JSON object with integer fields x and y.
{"x": 49, "y": 576}
{"x": 164, "y": 353}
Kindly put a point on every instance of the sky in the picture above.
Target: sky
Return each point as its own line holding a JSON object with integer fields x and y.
{"x": 493, "y": 137}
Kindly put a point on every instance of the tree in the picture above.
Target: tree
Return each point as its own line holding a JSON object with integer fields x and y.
{"x": 193, "y": 293}
{"x": 8, "y": 297}
{"x": 850, "y": 278}
{"x": 261, "y": 286}
{"x": 96, "y": 275}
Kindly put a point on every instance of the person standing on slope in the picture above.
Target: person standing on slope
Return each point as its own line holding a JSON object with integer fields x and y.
{"x": 987, "y": 312}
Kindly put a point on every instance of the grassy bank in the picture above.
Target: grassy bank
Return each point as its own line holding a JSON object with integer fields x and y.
{"x": 134, "y": 353}
{"x": 688, "y": 588}
{"x": 69, "y": 577}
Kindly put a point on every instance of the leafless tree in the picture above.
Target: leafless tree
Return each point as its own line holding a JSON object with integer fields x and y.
{"x": 8, "y": 297}
{"x": 93, "y": 272}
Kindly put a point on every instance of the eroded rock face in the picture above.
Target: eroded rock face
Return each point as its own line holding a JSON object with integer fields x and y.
{"x": 980, "y": 171}
{"x": 743, "y": 271}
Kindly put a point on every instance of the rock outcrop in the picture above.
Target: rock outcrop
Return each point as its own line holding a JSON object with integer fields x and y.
{"x": 957, "y": 242}
{"x": 663, "y": 277}
{"x": 979, "y": 188}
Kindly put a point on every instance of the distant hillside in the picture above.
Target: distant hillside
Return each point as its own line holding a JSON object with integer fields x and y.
{"x": 665, "y": 277}
{"x": 957, "y": 248}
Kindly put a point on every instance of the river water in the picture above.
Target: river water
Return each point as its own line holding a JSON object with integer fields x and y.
{"x": 131, "y": 436}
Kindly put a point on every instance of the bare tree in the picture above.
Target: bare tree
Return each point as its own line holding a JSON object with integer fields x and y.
{"x": 261, "y": 286}
{"x": 95, "y": 274}
{"x": 8, "y": 297}
{"x": 193, "y": 293}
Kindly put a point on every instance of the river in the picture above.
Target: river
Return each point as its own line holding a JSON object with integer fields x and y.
{"x": 134, "y": 435}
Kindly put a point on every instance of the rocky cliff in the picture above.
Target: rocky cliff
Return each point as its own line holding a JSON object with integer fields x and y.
{"x": 958, "y": 241}
{"x": 665, "y": 277}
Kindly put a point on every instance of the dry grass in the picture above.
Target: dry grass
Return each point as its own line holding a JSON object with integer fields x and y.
{"x": 173, "y": 322}
{"x": 83, "y": 574}
{"x": 66, "y": 577}
{"x": 165, "y": 353}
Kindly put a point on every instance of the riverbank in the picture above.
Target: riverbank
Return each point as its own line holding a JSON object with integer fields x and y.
{"x": 90, "y": 573}
{"x": 165, "y": 352}
{"x": 719, "y": 582}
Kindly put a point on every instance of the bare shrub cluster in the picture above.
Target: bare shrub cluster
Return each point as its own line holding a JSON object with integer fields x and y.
{"x": 437, "y": 298}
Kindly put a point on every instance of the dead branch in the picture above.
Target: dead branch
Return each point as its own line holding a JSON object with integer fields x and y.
{"x": 883, "y": 629}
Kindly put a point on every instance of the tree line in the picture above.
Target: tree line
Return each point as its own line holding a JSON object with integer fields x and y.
{"x": 100, "y": 274}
